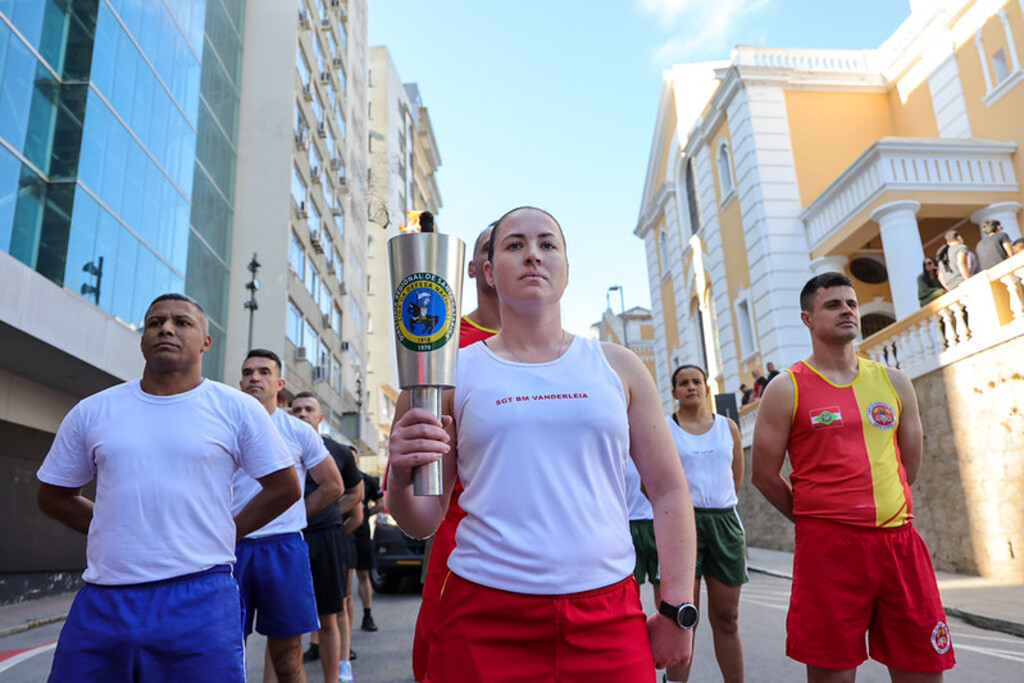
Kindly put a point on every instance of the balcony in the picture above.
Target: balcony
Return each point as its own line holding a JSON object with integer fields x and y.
{"x": 916, "y": 165}
{"x": 836, "y": 61}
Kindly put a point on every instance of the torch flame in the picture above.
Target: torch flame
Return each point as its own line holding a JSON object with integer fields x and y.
{"x": 412, "y": 224}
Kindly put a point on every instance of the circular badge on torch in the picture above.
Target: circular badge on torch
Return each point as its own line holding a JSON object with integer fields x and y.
{"x": 424, "y": 312}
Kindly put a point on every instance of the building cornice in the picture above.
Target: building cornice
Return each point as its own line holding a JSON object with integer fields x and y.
{"x": 654, "y": 209}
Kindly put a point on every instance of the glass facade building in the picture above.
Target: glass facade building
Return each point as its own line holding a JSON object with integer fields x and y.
{"x": 118, "y": 131}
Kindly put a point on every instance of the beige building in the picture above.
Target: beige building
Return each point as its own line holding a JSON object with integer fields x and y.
{"x": 300, "y": 205}
{"x": 781, "y": 163}
{"x": 403, "y": 164}
{"x": 633, "y": 329}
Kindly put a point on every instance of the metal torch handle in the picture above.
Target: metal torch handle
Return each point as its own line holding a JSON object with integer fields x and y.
{"x": 426, "y": 479}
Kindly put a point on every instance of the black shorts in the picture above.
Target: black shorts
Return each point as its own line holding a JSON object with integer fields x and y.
{"x": 329, "y": 561}
{"x": 364, "y": 550}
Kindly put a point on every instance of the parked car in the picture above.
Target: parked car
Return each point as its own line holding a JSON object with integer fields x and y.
{"x": 395, "y": 555}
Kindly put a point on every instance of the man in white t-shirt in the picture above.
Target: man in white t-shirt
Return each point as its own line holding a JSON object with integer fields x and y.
{"x": 159, "y": 601}
{"x": 272, "y": 568}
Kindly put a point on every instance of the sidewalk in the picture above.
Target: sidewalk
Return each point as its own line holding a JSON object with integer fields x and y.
{"x": 981, "y": 602}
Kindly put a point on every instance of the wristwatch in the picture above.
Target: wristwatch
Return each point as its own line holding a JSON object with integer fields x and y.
{"x": 685, "y": 615}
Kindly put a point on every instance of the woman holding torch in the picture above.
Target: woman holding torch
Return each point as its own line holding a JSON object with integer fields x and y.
{"x": 538, "y": 428}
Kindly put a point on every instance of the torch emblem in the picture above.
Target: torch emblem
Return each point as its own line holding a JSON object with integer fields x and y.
{"x": 424, "y": 312}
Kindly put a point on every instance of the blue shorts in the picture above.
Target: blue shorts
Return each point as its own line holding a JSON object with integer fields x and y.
{"x": 181, "y": 629}
{"x": 276, "y": 585}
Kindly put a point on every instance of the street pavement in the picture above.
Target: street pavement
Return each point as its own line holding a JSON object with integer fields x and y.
{"x": 383, "y": 657}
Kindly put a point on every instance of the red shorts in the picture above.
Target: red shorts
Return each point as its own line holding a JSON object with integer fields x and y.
{"x": 485, "y": 635}
{"x": 850, "y": 580}
{"x": 437, "y": 567}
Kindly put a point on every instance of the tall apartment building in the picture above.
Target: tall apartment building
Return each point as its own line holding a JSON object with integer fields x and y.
{"x": 403, "y": 162}
{"x": 779, "y": 164}
{"x": 118, "y": 125}
{"x": 301, "y": 204}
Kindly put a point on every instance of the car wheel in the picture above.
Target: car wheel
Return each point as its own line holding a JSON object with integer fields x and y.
{"x": 383, "y": 582}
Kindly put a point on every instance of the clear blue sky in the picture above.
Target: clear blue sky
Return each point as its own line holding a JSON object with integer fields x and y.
{"x": 553, "y": 103}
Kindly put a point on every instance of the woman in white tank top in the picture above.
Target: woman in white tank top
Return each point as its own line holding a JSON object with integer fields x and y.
{"x": 538, "y": 429}
{"x": 711, "y": 453}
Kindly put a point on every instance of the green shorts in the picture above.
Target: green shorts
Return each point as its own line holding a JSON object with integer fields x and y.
{"x": 721, "y": 549}
{"x": 646, "y": 568}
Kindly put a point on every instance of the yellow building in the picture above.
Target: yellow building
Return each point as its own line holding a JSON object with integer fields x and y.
{"x": 633, "y": 329}
{"x": 778, "y": 164}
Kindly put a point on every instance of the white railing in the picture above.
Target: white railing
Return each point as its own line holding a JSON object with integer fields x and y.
{"x": 748, "y": 416}
{"x": 984, "y": 311}
{"x": 909, "y": 164}
{"x": 847, "y": 61}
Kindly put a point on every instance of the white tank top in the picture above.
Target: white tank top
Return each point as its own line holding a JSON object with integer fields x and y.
{"x": 636, "y": 501}
{"x": 707, "y": 462}
{"x": 542, "y": 450}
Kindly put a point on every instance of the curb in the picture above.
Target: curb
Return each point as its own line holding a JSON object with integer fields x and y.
{"x": 770, "y": 572}
{"x": 987, "y": 623}
{"x": 31, "y": 624}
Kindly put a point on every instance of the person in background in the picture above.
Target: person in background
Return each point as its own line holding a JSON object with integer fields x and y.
{"x": 772, "y": 373}
{"x": 746, "y": 394}
{"x": 759, "y": 382}
{"x": 372, "y": 504}
{"x": 995, "y": 246}
{"x": 1017, "y": 246}
{"x": 711, "y": 452}
{"x": 928, "y": 286}
{"x": 956, "y": 262}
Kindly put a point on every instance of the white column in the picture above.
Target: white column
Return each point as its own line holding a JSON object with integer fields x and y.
{"x": 829, "y": 264}
{"x": 1005, "y": 213}
{"x": 901, "y": 243}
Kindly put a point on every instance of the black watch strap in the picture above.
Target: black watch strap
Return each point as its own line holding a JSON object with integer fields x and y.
{"x": 685, "y": 615}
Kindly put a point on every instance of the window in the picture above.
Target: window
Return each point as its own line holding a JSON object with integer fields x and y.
{"x": 300, "y": 121}
{"x": 1005, "y": 71}
{"x": 293, "y": 325}
{"x": 725, "y": 172}
{"x": 325, "y": 300}
{"x": 336, "y": 374}
{"x": 314, "y": 217}
{"x": 298, "y": 188}
{"x": 315, "y": 164}
{"x": 355, "y": 315}
{"x": 297, "y": 256}
{"x": 309, "y": 337}
{"x": 691, "y": 198}
{"x": 1000, "y": 68}
{"x": 744, "y": 323}
{"x": 663, "y": 252}
{"x": 336, "y": 319}
{"x": 302, "y": 65}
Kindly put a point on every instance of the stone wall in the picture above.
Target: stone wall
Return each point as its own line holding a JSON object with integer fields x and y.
{"x": 969, "y": 496}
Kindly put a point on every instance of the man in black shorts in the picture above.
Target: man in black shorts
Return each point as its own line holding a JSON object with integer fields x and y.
{"x": 328, "y": 551}
{"x": 372, "y": 504}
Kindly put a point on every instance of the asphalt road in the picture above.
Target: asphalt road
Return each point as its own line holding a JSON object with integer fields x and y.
{"x": 383, "y": 657}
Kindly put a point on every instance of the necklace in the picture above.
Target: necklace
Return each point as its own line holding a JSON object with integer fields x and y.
{"x": 563, "y": 344}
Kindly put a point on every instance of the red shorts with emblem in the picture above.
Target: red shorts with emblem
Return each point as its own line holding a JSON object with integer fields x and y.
{"x": 485, "y": 635}
{"x": 849, "y": 580}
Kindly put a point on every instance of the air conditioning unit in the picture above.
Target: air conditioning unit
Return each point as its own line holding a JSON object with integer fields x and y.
{"x": 335, "y": 163}
{"x": 303, "y": 213}
{"x": 302, "y": 139}
{"x": 326, "y": 320}
{"x": 342, "y": 184}
{"x": 344, "y": 346}
{"x": 325, "y": 77}
{"x": 342, "y": 289}
{"x": 335, "y": 3}
{"x": 315, "y": 171}
{"x": 320, "y": 373}
{"x": 316, "y": 241}
{"x": 300, "y": 353}
{"x": 336, "y": 210}
{"x": 331, "y": 270}
{"x": 337, "y": 63}
{"x": 325, "y": 22}
{"x": 303, "y": 19}
{"x": 307, "y": 92}
{"x": 321, "y": 129}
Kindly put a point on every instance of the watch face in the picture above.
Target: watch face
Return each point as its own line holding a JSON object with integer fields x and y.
{"x": 687, "y": 616}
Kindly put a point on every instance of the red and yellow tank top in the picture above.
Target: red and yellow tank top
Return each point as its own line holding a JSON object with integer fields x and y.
{"x": 842, "y": 447}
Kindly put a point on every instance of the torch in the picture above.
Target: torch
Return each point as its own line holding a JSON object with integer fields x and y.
{"x": 426, "y": 281}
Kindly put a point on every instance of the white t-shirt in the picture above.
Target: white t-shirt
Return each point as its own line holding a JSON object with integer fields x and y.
{"x": 542, "y": 452}
{"x": 707, "y": 462}
{"x": 639, "y": 506}
{"x": 163, "y": 467}
{"x": 307, "y": 450}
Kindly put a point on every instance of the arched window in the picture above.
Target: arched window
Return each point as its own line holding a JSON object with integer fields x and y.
{"x": 691, "y": 198}
{"x": 724, "y": 171}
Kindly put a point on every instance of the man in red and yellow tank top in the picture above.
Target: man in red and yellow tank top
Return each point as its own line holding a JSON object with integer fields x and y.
{"x": 853, "y": 433}
{"x": 476, "y": 326}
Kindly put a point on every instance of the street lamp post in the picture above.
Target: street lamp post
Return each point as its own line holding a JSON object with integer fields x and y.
{"x": 622, "y": 303}
{"x": 252, "y": 285}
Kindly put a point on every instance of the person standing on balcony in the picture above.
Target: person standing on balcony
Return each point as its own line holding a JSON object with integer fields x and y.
{"x": 928, "y": 286}
{"x": 995, "y": 246}
{"x": 1017, "y": 246}
{"x": 854, "y": 437}
{"x": 956, "y": 262}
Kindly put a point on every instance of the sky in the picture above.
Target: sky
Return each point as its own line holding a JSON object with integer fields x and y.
{"x": 552, "y": 103}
